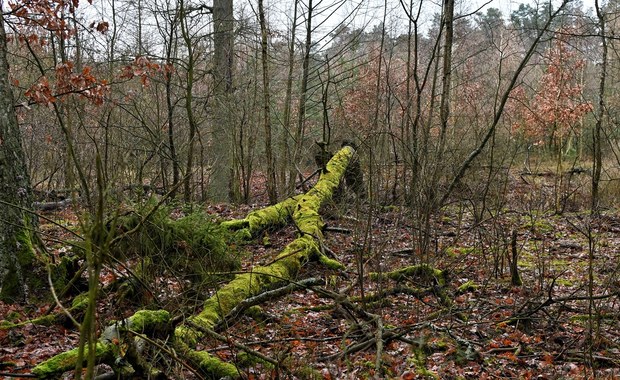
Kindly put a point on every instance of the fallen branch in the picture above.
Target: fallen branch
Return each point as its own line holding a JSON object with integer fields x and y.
{"x": 240, "y": 346}
{"x": 304, "y": 211}
{"x": 266, "y": 296}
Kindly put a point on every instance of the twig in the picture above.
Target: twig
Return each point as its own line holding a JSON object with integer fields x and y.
{"x": 18, "y": 375}
{"x": 385, "y": 335}
{"x": 166, "y": 350}
{"x": 268, "y": 295}
{"x": 240, "y": 346}
{"x": 404, "y": 252}
{"x": 307, "y": 179}
{"x": 60, "y": 305}
{"x": 327, "y": 251}
{"x": 291, "y": 339}
{"x": 550, "y": 301}
{"x": 379, "y": 354}
{"x": 338, "y": 230}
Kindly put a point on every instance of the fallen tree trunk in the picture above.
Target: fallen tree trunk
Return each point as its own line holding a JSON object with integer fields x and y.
{"x": 305, "y": 215}
{"x": 304, "y": 212}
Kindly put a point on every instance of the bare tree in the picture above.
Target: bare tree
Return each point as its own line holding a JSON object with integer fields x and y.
{"x": 303, "y": 97}
{"x": 271, "y": 170}
{"x": 597, "y": 162}
{"x": 223, "y": 183}
{"x": 286, "y": 123}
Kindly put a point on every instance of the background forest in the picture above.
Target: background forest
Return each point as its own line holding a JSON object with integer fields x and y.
{"x": 474, "y": 234}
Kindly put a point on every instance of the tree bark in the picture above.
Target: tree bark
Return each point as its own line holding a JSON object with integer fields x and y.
{"x": 597, "y": 161}
{"x": 16, "y": 224}
{"x": 222, "y": 186}
{"x": 189, "y": 100}
{"x": 303, "y": 95}
{"x": 271, "y": 170}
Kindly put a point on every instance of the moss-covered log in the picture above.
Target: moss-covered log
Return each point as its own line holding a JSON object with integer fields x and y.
{"x": 109, "y": 347}
{"x": 303, "y": 210}
{"x": 424, "y": 272}
{"x": 305, "y": 215}
{"x": 268, "y": 217}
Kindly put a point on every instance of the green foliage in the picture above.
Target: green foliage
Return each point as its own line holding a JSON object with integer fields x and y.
{"x": 193, "y": 245}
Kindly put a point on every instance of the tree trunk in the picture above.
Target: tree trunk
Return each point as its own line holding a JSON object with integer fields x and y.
{"x": 271, "y": 170}
{"x": 191, "y": 120}
{"x": 222, "y": 186}
{"x": 16, "y": 224}
{"x": 286, "y": 124}
{"x": 301, "y": 110}
{"x": 597, "y": 161}
{"x": 170, "y": 55}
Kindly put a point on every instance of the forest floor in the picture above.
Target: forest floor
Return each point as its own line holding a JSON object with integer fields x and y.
{"x": 563, "y": 322}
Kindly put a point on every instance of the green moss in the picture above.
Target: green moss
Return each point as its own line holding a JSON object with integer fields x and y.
{"x": 439, "y": 344}
{"x": 148, "y": 320}
{"x": 331, "y": 263}
{"x": 461, "y": 251}
{"x": 255, "y": 312}
{"x": 26, "y": 254}
{"x": 6, "y": 324}
{"x": 308, "y": 373}
{"x": 259, "y": 220}
{"x": 266, "y": 240}
{"x": 423, "y": 272}
{"x": 13, "y": 316}
{"x": 580, "y": 318}
{"x": 560, "y": 264}
{"x": 526, "y": 264}
{"x": 193, "y": 247}
{"x": 63, "y": 271}
{"x": 304, "y": 211}
{"x": 564, "y": 282}
{"x": 240, "y": 288}
{"x": 418, "y": 360}
{"x": 67, "y": 360}
{"x": 23, "y": 269}
{"x": 45, "y": 320}
{"x": 541, "y": 226}
{"x": 467, "y": 287}
{"x": 246, "y": 359}
{"x": 80, "y": 301}
{"x": 208, "y": 364}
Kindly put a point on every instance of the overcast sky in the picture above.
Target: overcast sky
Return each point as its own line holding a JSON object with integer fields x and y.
{"x": 507, "y": 6}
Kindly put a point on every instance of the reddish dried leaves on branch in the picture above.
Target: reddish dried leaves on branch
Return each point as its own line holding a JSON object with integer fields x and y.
{"x": 553, "y": 112}
{"x": 35, "y": 19}
{"x": 143, "y": 68}
{"x": 101, "y": 26}
{"x": 68, "y": 82}
{"x": 50, "y": 16}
